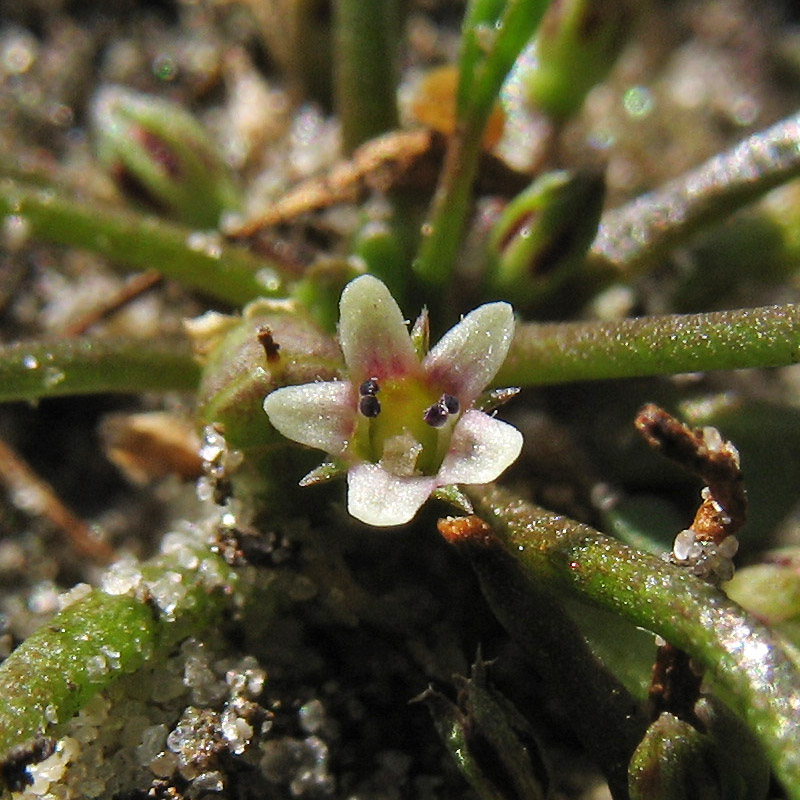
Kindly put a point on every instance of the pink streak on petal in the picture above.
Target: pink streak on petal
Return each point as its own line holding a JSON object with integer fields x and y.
{"x": 372, "y": 332}
{"x": 468, "y": 356}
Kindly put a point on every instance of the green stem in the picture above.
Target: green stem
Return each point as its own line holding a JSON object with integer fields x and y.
{"x": 50, "y": 676}
{"x": 31, "y": 370}
{"x": 90, "y": 644}
{"x": 741, "y": 654}
{"x": 192, "y": 258}
{"x": 494, "y": 33}
{"x": 577, "y": 351}
{"x": 366, "y": 35}
{"x": 441, "y": 234}
{"x": 640, "y": 232}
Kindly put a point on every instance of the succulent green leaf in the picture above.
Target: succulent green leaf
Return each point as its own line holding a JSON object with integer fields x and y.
{"x": 157, "y": 147}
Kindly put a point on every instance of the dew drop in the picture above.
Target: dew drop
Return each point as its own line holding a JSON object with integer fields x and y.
{"x": 18, "y": 54}
{"x": 638, "y": 102}
{"x": 15, "y": 232}
{"x": 269, "y": 279}
{"x": 96, "y": 668}
{"x": 311, "y": 716}
{"x": 685, "y": 545}
{"x": 728, "y": 547}
{"x": 53, "y": 376}
{"x": 203, "y": 242}
{"x": 486, "y": 36}
{"x": 164, "y": 67}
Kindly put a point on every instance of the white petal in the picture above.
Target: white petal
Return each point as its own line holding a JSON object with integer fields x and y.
{"x": 468, "y": 356}
{"x": 372, "y": 332}
{"x": 319, "y": 415}
{"x": 378, "y": 498}
{"x": 481, "y": 448}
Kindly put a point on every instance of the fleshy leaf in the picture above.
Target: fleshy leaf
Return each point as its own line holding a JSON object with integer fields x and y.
{"x": 378, "y": 498}
{"x": 319, "y": 415}
{"x": 157, "y": 147}
{"x": 481, "y": 448}
{"x": 373, "y": 333}
{"x": 468, "y": 356}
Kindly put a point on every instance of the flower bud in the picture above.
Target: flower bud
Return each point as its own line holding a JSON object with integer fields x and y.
{"x": 543, "y": 234}
{"x": 577, "y": 44}
{"x": 675, "y": 760}
{"x": 162, "y": 156}
{"x": 273, "y": 344}
{"x": 490, "y": 741}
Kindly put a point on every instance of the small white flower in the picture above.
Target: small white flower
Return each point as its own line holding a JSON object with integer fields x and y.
{"x": 403, "y": 426}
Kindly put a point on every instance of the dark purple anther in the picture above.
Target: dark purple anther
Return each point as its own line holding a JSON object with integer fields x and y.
{"x": 450, "y": 403}
{"x": 436, "y": 415}
{"x": 369, "y": 405}
{"x": 369, "y": 388}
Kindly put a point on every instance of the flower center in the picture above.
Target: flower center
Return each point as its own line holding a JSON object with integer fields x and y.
{"x": 404, "y": 424}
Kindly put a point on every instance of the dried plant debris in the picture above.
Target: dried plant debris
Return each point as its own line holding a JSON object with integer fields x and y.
{"x": 134, "y": 288}
{"x": 150, "y": 445}
{"x": 674, "y": 685}
{"x": 34, "y": 495}
{"x": 396, "y": 160}
{"x": 707, "y": 547}
{"x": 709, "y": 544}
{"x": 15, "y": 768}
{"x": 219, "y": 462}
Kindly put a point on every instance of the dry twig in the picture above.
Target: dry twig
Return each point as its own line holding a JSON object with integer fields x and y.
{"x": 34, "y": 495}
{"x": 134, "y": 288}
{"x": 707, "y": 546}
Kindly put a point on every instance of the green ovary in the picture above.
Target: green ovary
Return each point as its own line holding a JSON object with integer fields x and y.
{"x": 399, "y": 430}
